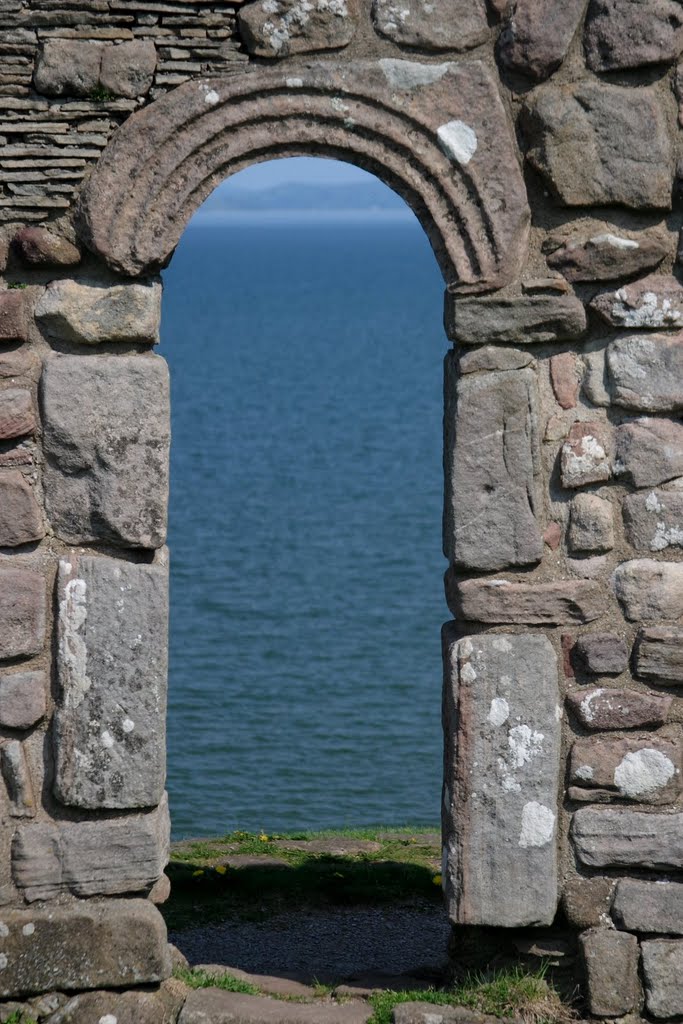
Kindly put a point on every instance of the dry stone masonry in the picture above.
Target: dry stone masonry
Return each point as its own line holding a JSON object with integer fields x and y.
{"x": 538, "y": 142}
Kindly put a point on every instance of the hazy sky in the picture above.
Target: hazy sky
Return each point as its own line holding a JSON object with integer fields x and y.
{"x": 301, "y": 169}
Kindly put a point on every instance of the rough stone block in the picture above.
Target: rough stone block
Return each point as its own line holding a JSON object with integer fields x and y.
{"x": 217, "y": 1006}
{"x": 439, "y": 25}
{"x": 649, "y": 906}
{"x": 17, "y": 775}
{"x": 646, "y": 769}
{"x": 492, "y": 467}
{"x": 630, "y": 34}
{"x": 106, "y": 437}
{"x": 127, "y": 69}
{"x": 534, "y": 604}
{"x": 111, "y": 663}
{"x": 597, "y": 144}
{"x": 606, "y": 256}
{"x": 611, "y": 965}
{"x": 21, "y": 521}
{"x": 13, "y": 316}
{"x": 649, "y": 590}
{"x": 91, "y": 858}
{"x": 654, "y": 521}
{"x": 646, "y": 372}
{"x": 663, "y": 969}
{"x": 142, "y": 1007}
{"x": 653, "y": 302}
{"x": 536, "y": 36}
{"x": 602, "y": 654}
{"x": 659, "y": 655}
{"x": 17, "y": 417}
{"x": 492, "y": 357}
{"x": 94, "y": 314}
{"x": 280, "y": 28}
{"x": 649, "y": 451}
{"x": 86, "y": 945}
{"x": 622, "y": 838}
{"x": 20, "y": 362}
{"x": 501, "y": 784}
{"x": 586, "y": 901}
{"x": 23, "y": 608}
{"x": 39, "y": 247}
{"x": 619, "y": 709}
{"x": 591, "y": 526}
{"x": 586, "y": 454}
{"x": 23, "y": 699}
{"x": 522, "y": 320}
{"x": 68, "y": 67}
{"x": 564, "y": 377}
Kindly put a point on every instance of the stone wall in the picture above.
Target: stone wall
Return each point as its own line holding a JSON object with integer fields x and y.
{"x": 537, "y": 141}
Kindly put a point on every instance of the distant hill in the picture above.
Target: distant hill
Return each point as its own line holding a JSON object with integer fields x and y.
{"x": 291, "y": 197}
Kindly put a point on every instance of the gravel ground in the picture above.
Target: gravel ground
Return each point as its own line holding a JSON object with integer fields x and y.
{"x": 324, "y": 944}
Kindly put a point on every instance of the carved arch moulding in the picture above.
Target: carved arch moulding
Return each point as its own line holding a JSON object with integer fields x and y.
{"x": 437, "y": 134}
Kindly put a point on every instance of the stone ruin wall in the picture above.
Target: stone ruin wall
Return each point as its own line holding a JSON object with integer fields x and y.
{"x": 537, "y": 141}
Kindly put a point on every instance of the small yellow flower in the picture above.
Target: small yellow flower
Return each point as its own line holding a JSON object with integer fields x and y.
{"x": 198, "y": 873}
{"x": 437, "y": 879}
{"x": 263, "y": 837}
{"x": 221, "y": 869}
{"x": 338, "y": 874}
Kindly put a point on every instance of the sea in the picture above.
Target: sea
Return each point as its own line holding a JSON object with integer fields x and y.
{"x": 305, "y": 524}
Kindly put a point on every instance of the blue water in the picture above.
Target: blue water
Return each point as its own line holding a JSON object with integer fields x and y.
{"x": 305, "y": 526}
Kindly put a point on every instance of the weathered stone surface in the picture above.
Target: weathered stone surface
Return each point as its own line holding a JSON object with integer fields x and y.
{"x": 536, "y": 36}
{"x": 564, "y": 377}
{"x": 127, "y": 69}
{"x": 607, "y": 255}
{"x": 602, "y": 654}
{"x": 535, "y": 604}
{"x": 425, "y": 1013}
{"x": 23, "y": 607}
{"x": 659, "y": 654}
{"x": 663, "y": 969}
{"x": 552, "y": 536}
{"x": 93, "y": 314}
{"x": 23, "y": 699}
{"x": 620, "y": 837}
{"x": 586, "y": 454}
{"x": 221, "y": 1007}
{"x": 106, "y": 437}
{"x": 111, "y": 663}
{"x": 631, "y": 34}
{"x": 464, "y": 169}
{"x": 649, "y": 590}
{"x": 521, "y": 320}
{"x": 68, "y": 67}
{"x": 91, "y": 858}
{"x": 17, "y": 776}
{"x": 438, "y": 25}
{"x": 649, "y": 451}
{"x": 83, "y": 946}
{"x": 597, "y": 144}
{"x": 586, "y": 901}
{"x": 652, "y": 302}
{"x": 493, "y": 357}
{"x": 279, "y": 28}
{"x": 21, "y": 521}
{"x": 591, "y": 526}
{"x": 619, "y": 709}
{"x": 157, "y": 1007}
{"x": 610, "y": 961}
{"x": 646, "y": 371}
{"x": 649, "y": 906}
{"x": 501, "y": 779}
{"x": 492, "y": 467}
{"x": 39, "y": 247}
{"x": 17, "y": 416}
{"x": 20, "y": 362}
{"x": 654, "y": 521}
{"x": 646, "y": 769}
{"x": 13, "y": 316}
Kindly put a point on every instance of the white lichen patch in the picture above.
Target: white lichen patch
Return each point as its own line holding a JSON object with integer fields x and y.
{"x": 616, "y": 241}
{"x": 499, "y": 712}
{"x": 212, "y": 97}
{"x": 501, "y": 644}
{"x": 523, "y": 745}
{"x": 538, "y": 825}
{"x": 73, "y": 653}
{"x": 458, "y": 141}
{"x": 107, "y": 740}
{"x": 584, "y": 772}
{"x": 108, "y": 1018}
{"x": 643, "y": 772}
{"x": 28, "y": 929}
{"x": 585, "y": 457}
{"x": 128, "y": 725}
{"x": 4, "y": 930}
{"x": 467, "y": 673}
{"x": 586, "y": 705}
{"x": 652, "y": 503}
{"x": 294, "y": 83}
{"x": 287, "y": 18}
{"x": 407, "y": 75}
{"x": 651, "y": 310}
{"x": 3, "y": 961}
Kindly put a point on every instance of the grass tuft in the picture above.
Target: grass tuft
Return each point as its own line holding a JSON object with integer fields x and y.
{"x": 195, "y": 978}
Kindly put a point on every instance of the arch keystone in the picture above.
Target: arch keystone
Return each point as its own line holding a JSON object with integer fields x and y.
{"x": 437, "y": 134}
